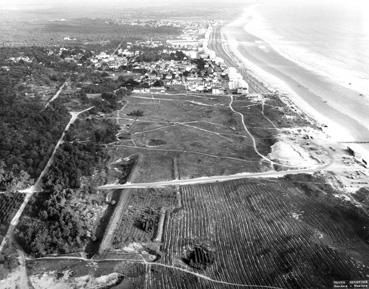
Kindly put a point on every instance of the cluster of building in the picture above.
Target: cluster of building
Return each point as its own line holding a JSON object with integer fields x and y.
{"x": 112, "y": 61}
{"x": 193, "y": 43}
{"x": 236, "y": 81}
{"x": 187, "y": 64}
{"x": 18, "y": 59}
{"x": 149, "y": 22}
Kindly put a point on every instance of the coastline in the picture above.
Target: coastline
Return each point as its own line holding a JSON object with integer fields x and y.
{"x": 266, "y": 64}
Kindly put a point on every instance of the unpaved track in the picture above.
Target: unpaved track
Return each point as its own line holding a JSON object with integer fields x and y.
{"x": 249, "y": 133}
{"x": 56, "y": 94}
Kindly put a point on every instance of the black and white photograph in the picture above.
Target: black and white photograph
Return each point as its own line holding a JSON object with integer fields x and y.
{"x": 184, "y": 144}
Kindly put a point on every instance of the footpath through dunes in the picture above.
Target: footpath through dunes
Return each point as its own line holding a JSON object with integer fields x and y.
{"x": 341, "y": 109}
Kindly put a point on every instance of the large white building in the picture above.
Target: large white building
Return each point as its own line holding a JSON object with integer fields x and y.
{"x": 236, "y": 82}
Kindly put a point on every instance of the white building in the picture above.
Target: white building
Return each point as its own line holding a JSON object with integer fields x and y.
{"x": 191, "y": 53}
{"x": 233, "y": 74}
{"x": 240, "y": 85}
{"x": 217, "y": 90}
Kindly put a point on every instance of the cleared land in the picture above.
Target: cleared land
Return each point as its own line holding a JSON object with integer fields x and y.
{"x": 200, "y": 131}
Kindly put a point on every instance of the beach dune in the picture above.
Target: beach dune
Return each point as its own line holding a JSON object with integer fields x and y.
{"x": 343, "y": 111}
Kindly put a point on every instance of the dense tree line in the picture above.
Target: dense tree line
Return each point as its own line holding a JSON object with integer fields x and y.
{"x": 54, "y": 222}
{"x": 106, "y": 85}
{"x": 99, "y": 131}
{"x": 81, "y": 154}
{"x": 12, "y": 182}
{"x": 71, "y": 162}
{"x": 28, "y": 132}
{"x": 53, "y": 225}
{"x": 155, "y": 54}
{"x": 136, "y": 113}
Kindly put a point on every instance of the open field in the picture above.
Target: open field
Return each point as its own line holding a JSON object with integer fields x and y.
{"x": 200, "y": 132}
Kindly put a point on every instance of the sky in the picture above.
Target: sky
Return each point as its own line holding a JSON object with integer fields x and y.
{"x": 45, "y": 9}
{"x": 104, "y": 3}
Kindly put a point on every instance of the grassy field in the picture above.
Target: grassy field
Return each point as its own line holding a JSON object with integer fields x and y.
{"x": 199, "y": 131}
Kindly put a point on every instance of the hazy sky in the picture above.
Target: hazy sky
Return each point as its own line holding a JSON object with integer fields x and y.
{"x": 135, "y": 3}
{"x": 102, "y": 3}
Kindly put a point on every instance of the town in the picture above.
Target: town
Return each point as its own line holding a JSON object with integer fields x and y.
{"x": 157, "y": 160}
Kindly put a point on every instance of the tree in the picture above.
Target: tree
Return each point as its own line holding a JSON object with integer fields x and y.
{"x": 158, "y": 83}
{"x": 137, "y": 113}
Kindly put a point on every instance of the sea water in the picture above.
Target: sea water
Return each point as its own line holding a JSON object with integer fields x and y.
{"x": 328, "y": 37}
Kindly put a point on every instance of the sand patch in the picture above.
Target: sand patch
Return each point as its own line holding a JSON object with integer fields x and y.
{"x": 290, "y": 154}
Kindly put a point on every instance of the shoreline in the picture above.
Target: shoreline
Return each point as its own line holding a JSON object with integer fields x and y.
{"x": 340, "y": 127}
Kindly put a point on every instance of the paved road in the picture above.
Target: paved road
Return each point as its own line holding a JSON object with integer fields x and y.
{"x": 213, "y": 179}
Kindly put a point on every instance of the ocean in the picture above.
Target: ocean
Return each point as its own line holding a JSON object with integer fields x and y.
{"x": 330, "y": 38}
{"x": 316, "y": 52}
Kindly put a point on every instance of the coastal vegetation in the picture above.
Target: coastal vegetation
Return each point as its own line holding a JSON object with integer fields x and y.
{"x": 291, "y": 232}
{"x": 61, "y": 219}
{"x": 53, "y": 225}
{"x": 55, "y": 219}
{"x": 29, "y": 133}
{"x": 9, "y": 204}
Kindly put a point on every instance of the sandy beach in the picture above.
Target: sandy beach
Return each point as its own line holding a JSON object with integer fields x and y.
{"x": 343, "y": 111}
